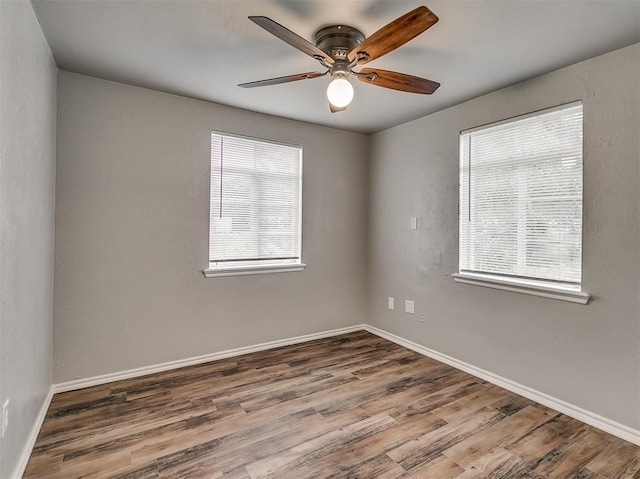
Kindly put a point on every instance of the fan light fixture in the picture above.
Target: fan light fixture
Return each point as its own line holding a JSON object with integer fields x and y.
{"x": 341, "y": 48}
{"x": 340, "y": 92}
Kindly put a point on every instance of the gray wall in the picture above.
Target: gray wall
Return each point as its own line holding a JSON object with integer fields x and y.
{"x": 132, "y": 215}
{"x": 27, "y": 174}
{"x": 586, "y": 355}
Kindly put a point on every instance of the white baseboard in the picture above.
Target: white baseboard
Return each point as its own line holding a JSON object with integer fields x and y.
{"x": 180, "y": 363}
{"x": 588, "y": 417}
{"x": 595, "y": 420}
{"x": 33, "y": 435}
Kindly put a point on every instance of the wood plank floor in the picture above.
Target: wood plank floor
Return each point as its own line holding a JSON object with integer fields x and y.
{"x": 353, "y": 406}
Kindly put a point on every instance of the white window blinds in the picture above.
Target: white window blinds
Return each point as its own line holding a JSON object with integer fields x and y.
{"x": 521, "y": 198}
{"x": 255, "y": 202}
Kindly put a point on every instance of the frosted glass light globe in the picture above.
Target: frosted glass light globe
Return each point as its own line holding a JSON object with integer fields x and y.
{"x": 340, "y": 92}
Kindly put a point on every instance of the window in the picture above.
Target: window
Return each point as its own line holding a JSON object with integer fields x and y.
{"x": 521, "y": 204}
{"x": 256, "y": 206}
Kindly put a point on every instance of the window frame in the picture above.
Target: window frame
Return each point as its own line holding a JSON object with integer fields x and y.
{"x": 259, "y": 266}
{"x": 538, "y": 287}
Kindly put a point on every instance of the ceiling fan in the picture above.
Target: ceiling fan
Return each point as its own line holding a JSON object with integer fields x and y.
{"x": 340, "y": 48}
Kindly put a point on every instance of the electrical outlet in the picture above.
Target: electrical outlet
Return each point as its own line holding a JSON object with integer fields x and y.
{"x": 390, "y": 304}
{"x": 409, "y": 307}
{"x": 5, "y": 417}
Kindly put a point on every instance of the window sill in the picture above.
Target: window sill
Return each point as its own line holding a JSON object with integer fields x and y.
{"x": 578, "y": 297}
{"x": 244, "y": 270}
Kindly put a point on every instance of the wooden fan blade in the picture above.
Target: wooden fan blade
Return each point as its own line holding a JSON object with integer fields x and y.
{"x": 394, "y": 34}
{"x": 287, "y": 79}
{"x": 291, "y": 38}
{"x": 336, "y": 109}
{"x": 397, "y": 81}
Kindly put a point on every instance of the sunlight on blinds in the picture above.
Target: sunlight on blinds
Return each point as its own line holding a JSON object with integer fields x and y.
{"x": 521, "y": 197}
{"x": 256, "y": 201}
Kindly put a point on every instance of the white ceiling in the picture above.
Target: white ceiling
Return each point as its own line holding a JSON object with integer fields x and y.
{"x": 203, "y": 49}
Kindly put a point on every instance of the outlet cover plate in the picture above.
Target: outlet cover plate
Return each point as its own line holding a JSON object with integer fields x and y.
{"x": 409, "y": 307}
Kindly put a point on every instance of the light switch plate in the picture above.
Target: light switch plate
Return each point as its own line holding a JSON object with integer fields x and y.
{"x": 5, "y": 418}
{"x": 390, "y": 302}
{"x": 413, "y": 223}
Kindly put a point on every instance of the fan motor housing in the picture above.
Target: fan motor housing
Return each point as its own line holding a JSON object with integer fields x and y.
{"x": 338, "y": 40}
